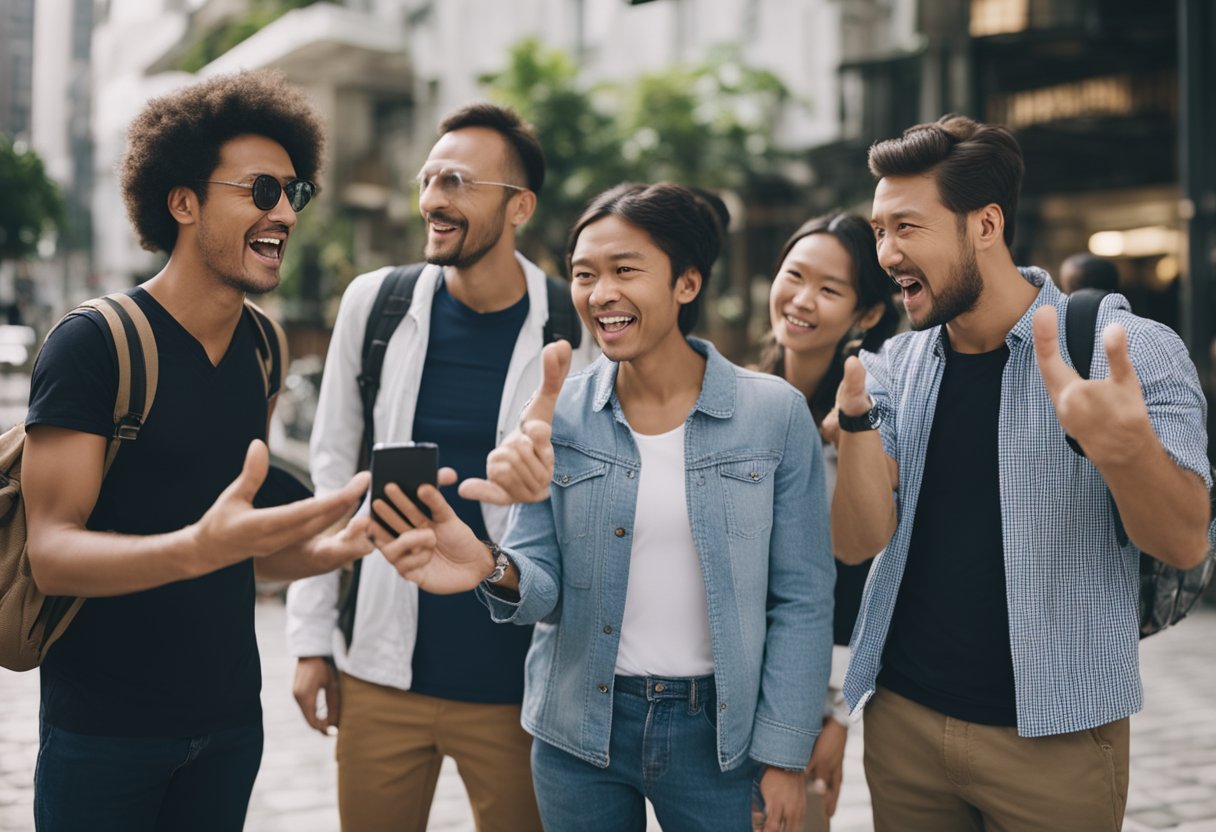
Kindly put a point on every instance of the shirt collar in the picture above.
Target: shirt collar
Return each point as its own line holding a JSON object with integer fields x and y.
{"x": 1023, "y": 329}
{"x": 717, "y": 396}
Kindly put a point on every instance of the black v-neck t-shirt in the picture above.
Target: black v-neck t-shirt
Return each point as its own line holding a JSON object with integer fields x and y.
{"x": 181, "y": 659}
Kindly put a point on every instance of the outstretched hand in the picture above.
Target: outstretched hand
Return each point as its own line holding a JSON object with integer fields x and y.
{"x": 520, "y": 469}
{"x": 441, "y": 554}
{"x": 232, "y": 529}
{"x": 1108, "y": 416}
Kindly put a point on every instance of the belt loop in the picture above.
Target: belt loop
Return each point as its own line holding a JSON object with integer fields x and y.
{"x": 692, "y": 695}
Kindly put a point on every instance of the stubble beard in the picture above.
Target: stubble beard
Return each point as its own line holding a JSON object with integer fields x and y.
{"x": 214, "y": 254}
{"x": 960, "y": 296}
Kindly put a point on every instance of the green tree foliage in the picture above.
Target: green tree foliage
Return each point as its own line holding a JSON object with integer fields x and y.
{"x": 32, "y": 205}
{"x": 582, "y": 142}
{"x": 710, "y": 125}
{"x": 219, "y": 40}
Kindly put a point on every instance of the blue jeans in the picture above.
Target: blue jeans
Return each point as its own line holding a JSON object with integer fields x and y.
{"x": 84, "y": 783}
{"x": 663, "y": 747}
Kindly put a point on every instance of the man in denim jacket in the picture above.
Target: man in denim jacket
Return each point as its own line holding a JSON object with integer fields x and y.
{"x": 679, "y": 576}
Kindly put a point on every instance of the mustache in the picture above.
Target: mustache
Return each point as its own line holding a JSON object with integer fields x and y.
{"x": 443, "y": 219}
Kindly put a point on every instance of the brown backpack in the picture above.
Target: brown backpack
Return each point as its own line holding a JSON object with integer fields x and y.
{"x": 30, "y": 621}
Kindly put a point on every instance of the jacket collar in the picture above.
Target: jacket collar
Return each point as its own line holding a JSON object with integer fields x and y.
{"x": 717, "y": 398}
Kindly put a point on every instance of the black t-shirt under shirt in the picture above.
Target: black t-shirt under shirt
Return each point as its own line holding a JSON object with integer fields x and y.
{"x": 460, "y": 653}
{"x": 181, "y": 659}
{"x": 948, "y": 647}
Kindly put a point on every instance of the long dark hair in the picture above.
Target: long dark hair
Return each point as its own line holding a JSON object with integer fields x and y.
{"x": 874, "y": 288}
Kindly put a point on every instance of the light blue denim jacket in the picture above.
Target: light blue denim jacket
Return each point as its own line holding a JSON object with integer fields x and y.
{"x": 756, "y": 503}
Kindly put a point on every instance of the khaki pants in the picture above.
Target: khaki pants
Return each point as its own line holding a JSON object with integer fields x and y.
{"x": 927, "y": 771}
{"x": 391, "y": 744}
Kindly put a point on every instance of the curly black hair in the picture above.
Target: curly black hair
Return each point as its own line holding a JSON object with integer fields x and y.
{"x": 176, "y": 140}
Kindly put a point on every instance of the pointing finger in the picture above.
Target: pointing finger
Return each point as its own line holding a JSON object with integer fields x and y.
{"x": 1114, "y": 340}
{"x": 1056, "y": 374}
{"x": 555, "y": 363}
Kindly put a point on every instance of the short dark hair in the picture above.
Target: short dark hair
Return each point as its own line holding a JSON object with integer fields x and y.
{"x": 176, "y": 140}
{"x": 973, "y": 164}
{"x": 519, "y": 135}
{"x": 685, "y": 226}
{"x": 1093, "y": 273}
{"x": 874, "y": 288}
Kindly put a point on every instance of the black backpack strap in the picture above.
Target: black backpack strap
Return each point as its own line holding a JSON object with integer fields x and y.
{"x": 1080, "y": 323}
{"x": 272, "y": 349}
{"x": 563, "y": 323}
{"x": 392, "y": 302}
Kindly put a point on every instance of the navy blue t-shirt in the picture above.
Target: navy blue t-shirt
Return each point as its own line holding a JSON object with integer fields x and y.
{"x": 460, "y": 653}
{"x": 181, "y": 659}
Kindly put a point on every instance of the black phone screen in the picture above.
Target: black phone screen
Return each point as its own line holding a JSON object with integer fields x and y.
{"x": 409, "y": 465}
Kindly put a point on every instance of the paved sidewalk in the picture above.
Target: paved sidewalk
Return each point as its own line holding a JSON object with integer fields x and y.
{"x": 1173, "y": 772}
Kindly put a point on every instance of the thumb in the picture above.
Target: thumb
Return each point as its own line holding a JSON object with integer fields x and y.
{"x": 851, "y": 396}
{"x": 555, "y": 363}
{"x": 253, "y": 473}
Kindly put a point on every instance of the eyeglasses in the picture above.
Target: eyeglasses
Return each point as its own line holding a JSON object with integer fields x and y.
{"x": 267, "y": 191}
{"x": 453, "y": 182}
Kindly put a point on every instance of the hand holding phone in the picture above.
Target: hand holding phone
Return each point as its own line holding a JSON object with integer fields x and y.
{"x": 409, "y": 465}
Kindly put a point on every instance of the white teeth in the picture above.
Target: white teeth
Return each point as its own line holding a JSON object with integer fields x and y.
{"x": 444, "y": 227}
{"x": 799, "y": 322}
{"x": 905, "y": 282}
{"x": 271, "y": 240}
{"x": 618, "y": 320}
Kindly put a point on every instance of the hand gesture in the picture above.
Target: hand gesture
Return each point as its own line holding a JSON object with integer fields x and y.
{"x": 851, "y": 396}
{"x": 440, "y": 554}
{"x": 784, "y": 794}
{"x": 829, "y": 428}
{"x": 1108, "y": 417}
{"x": 826, "y": 768}
{"x": 232, "y": 529}
{"x": 520, "y": 469}
{"x": 314, "y": 676}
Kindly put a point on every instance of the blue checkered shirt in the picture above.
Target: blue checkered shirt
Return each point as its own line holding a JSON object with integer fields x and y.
{"x": 1072, "y": 589}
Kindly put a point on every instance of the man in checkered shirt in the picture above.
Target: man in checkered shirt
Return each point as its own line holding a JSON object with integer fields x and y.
{"x": 996, "y": 650}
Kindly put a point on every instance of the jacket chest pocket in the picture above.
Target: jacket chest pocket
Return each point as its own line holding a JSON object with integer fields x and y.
{"x": 578, "y": 503}
{"x": 747, "y": 491}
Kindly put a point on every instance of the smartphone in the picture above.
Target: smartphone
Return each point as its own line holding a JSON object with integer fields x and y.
{"x": 409, "y": 464}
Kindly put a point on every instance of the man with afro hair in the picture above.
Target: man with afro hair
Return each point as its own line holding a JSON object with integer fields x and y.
{"x": 150, "y": 716}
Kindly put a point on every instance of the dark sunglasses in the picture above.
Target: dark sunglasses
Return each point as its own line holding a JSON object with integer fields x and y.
{"x": 267, "y": 191}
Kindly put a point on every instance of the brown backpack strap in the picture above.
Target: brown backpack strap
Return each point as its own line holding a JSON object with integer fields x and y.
{"x": 138, "y": 365}
{"x": 272, "y": 354}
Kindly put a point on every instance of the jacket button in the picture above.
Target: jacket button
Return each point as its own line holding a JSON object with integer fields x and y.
{"x": 755, "y": 476}
{"x": 629, "y": 474}
{"x": 608, "y": 629}
{"x": 722, "y": 707}
{"x": 565, "y": 478}
{"x": 619, "y": 532}
{"x": 602, "y": 688}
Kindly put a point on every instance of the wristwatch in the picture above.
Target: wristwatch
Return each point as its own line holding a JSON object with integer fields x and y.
{"x": 870, "y": 420}
{"x": 501, "y": 563}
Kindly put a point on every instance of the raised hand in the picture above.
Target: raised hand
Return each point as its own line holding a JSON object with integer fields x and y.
{"x": 520, "y": 469}
{"x": 232, "y": 529}
{"x": 1108, "y": 417}
{"x": 851, "y": 396}
{"x": 440, "y": 554}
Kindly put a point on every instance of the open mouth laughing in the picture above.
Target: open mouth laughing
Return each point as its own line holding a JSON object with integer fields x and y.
{"x": 614, "y": 323}
{"x": 268, "y": 246}
{"x": 911, "y": 285}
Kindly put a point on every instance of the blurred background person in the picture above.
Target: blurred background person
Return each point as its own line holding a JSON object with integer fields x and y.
{"x": 1085, "y": 271}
